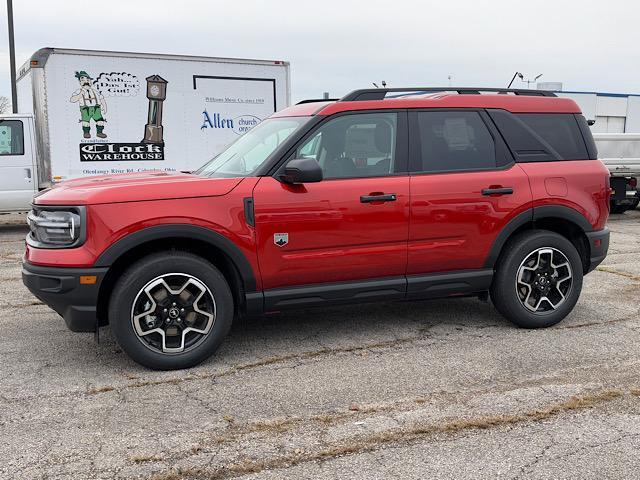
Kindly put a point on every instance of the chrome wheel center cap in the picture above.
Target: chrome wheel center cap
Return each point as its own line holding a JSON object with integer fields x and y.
{"x": 174, "y": 313}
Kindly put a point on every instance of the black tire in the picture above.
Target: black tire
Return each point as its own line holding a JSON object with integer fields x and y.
{"x": 506, "y": 297}
{"x": 174, "y": 266}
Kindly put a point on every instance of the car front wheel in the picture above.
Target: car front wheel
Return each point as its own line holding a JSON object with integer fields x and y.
{"x": 171, "y": 310}
{"x": 538, "y": 279}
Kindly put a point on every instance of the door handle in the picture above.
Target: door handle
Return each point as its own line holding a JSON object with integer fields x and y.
{"x": 381, "y": 197}
{"x": 27, "y": 172}
{"x": 497, "y": 191}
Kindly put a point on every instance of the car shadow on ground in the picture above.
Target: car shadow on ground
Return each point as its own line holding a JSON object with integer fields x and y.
{"x": 326, "y": 329}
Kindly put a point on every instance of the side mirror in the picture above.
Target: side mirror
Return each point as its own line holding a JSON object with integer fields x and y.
{"x": 302, "y": 170}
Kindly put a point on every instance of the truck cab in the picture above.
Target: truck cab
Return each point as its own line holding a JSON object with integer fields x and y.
{"x": 18, "y": 168}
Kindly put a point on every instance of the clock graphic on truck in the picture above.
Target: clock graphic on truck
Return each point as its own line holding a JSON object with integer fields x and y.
{"x": 156, "y": 93}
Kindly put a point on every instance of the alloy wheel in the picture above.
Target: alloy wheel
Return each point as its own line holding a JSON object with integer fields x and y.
{"x": 173, "y": 313}
{"x": 544, "y": 280}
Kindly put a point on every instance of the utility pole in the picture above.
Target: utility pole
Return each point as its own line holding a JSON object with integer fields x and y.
{"x": 12, "y": 58}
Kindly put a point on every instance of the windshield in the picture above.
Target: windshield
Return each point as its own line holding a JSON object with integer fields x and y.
{"x": 244, "y": 156}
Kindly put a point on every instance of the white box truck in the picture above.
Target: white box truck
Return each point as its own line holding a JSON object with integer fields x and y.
{"x": 87, "y": 112}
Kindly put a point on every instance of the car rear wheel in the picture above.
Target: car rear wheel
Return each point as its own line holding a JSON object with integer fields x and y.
{"x": 538, "y": 279}
{"x": 171, "y": 310}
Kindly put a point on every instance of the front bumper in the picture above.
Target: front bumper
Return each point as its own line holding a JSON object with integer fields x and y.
{"x": 599, "y": 245}
{"x": 61, "y": 290}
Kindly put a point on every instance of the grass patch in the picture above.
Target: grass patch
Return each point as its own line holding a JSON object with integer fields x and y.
{"x": 96, "y": 390}
{"x": 145, "y": 458}
{"x": 266, "y": 362}
{"x": 373, "y": 441}
{"x": 618, "y": 272}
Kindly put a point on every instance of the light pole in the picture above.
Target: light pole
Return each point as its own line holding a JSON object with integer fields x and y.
{"x": 12, "y": 58}
{"x": 521, "y": 77}
{"x": 529, "y": 81}
{"x": 517, "y": 74}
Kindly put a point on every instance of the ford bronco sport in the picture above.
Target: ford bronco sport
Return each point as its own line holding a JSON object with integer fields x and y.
{"x": 386, "y": 194}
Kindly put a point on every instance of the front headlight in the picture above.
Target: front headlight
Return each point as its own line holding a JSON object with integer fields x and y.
{"x": 56, "y": 227}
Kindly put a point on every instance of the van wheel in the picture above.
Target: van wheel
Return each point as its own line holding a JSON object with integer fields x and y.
{"x": 538, "y": 279}
{"x": 171, "y": 310}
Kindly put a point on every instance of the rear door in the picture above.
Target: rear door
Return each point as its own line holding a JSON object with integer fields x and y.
{"x": 353, "y": 225}
{"x": 17, "y": 183}
{"x": 465, "y": 187}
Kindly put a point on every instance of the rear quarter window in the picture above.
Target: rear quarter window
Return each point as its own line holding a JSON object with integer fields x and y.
{"x": 561, "y": 131}
{"x": 542, "y": 137}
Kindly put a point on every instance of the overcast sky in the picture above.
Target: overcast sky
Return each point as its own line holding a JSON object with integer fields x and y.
{"x": 337, "y": 46}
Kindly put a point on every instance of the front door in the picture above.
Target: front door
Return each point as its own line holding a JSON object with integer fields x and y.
{"x": 350, "y": 227}
{"x": 17, "y": 182}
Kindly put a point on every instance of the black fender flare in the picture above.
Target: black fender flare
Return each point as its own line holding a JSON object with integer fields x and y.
{"x": 183, "y": 231}
{"x": 529, "y": 216}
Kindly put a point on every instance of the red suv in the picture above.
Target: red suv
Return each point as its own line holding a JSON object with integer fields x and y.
{"x": 386, "y": 194}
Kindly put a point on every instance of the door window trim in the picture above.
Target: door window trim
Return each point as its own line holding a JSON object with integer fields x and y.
{"x": 401, "y": 159}
{"x": 22, "y": 145}
{"x": 504, "y": 157}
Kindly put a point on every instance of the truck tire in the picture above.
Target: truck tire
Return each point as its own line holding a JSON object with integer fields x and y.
{"x": 171, "y": 310}
{"x": 538, "y": 279}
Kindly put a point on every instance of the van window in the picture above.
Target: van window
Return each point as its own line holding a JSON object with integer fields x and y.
{"x": 561, "y": 131}
{"x": 11, "y": 137}
{"x": 451, "y": 141}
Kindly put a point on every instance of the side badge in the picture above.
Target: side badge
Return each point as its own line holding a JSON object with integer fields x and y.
{"x": 281, "y": 239}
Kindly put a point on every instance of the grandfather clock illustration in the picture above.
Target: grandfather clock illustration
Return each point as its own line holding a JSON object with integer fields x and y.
{"x": 156, "y": 93}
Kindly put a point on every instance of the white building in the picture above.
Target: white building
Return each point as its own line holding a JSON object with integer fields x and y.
{"x": 612, "y": 112}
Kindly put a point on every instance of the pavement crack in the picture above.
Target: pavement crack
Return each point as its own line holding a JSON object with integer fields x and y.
{"x": 602, "y": 322}
{"x": 530, "y": 466}
{"x": 613, "y": 271}
{"x": 373, "y": 441}
{"x": 276, "y": 360}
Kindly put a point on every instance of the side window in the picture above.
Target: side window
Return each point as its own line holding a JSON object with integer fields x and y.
{"x": 560, "y": 130}
{"x": 11, "y": 137}
{"x": 354, "y": 145}
{"x": 454, "y": 140}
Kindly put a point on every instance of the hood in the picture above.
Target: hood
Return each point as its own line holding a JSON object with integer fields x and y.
{"x": 134, "y": 187}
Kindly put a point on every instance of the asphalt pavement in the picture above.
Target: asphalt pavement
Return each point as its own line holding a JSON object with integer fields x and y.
{"x": 438, "y": 389}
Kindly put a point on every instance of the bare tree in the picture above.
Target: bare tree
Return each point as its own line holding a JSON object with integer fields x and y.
{"x": 5, "y": 105}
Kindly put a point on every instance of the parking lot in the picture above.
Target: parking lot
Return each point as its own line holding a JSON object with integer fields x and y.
{"x": 439, "y": 389}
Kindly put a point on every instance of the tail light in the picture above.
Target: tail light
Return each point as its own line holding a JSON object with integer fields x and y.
{"x": 633, "y": 182}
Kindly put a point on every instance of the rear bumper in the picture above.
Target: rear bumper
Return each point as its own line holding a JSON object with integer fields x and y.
{"x": 599, "y": 245}
{"x": 61, "y": 290}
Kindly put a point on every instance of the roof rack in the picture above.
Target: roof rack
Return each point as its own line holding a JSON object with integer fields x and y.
{"x": 316, "y": 100}
{"x": 380, "y": 93}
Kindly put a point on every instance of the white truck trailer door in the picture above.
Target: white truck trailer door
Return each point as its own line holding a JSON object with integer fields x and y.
{"x": 17, "y": 179}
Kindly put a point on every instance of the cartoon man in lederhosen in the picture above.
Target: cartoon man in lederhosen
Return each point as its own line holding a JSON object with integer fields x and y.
{"x": 92, "y": 105}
